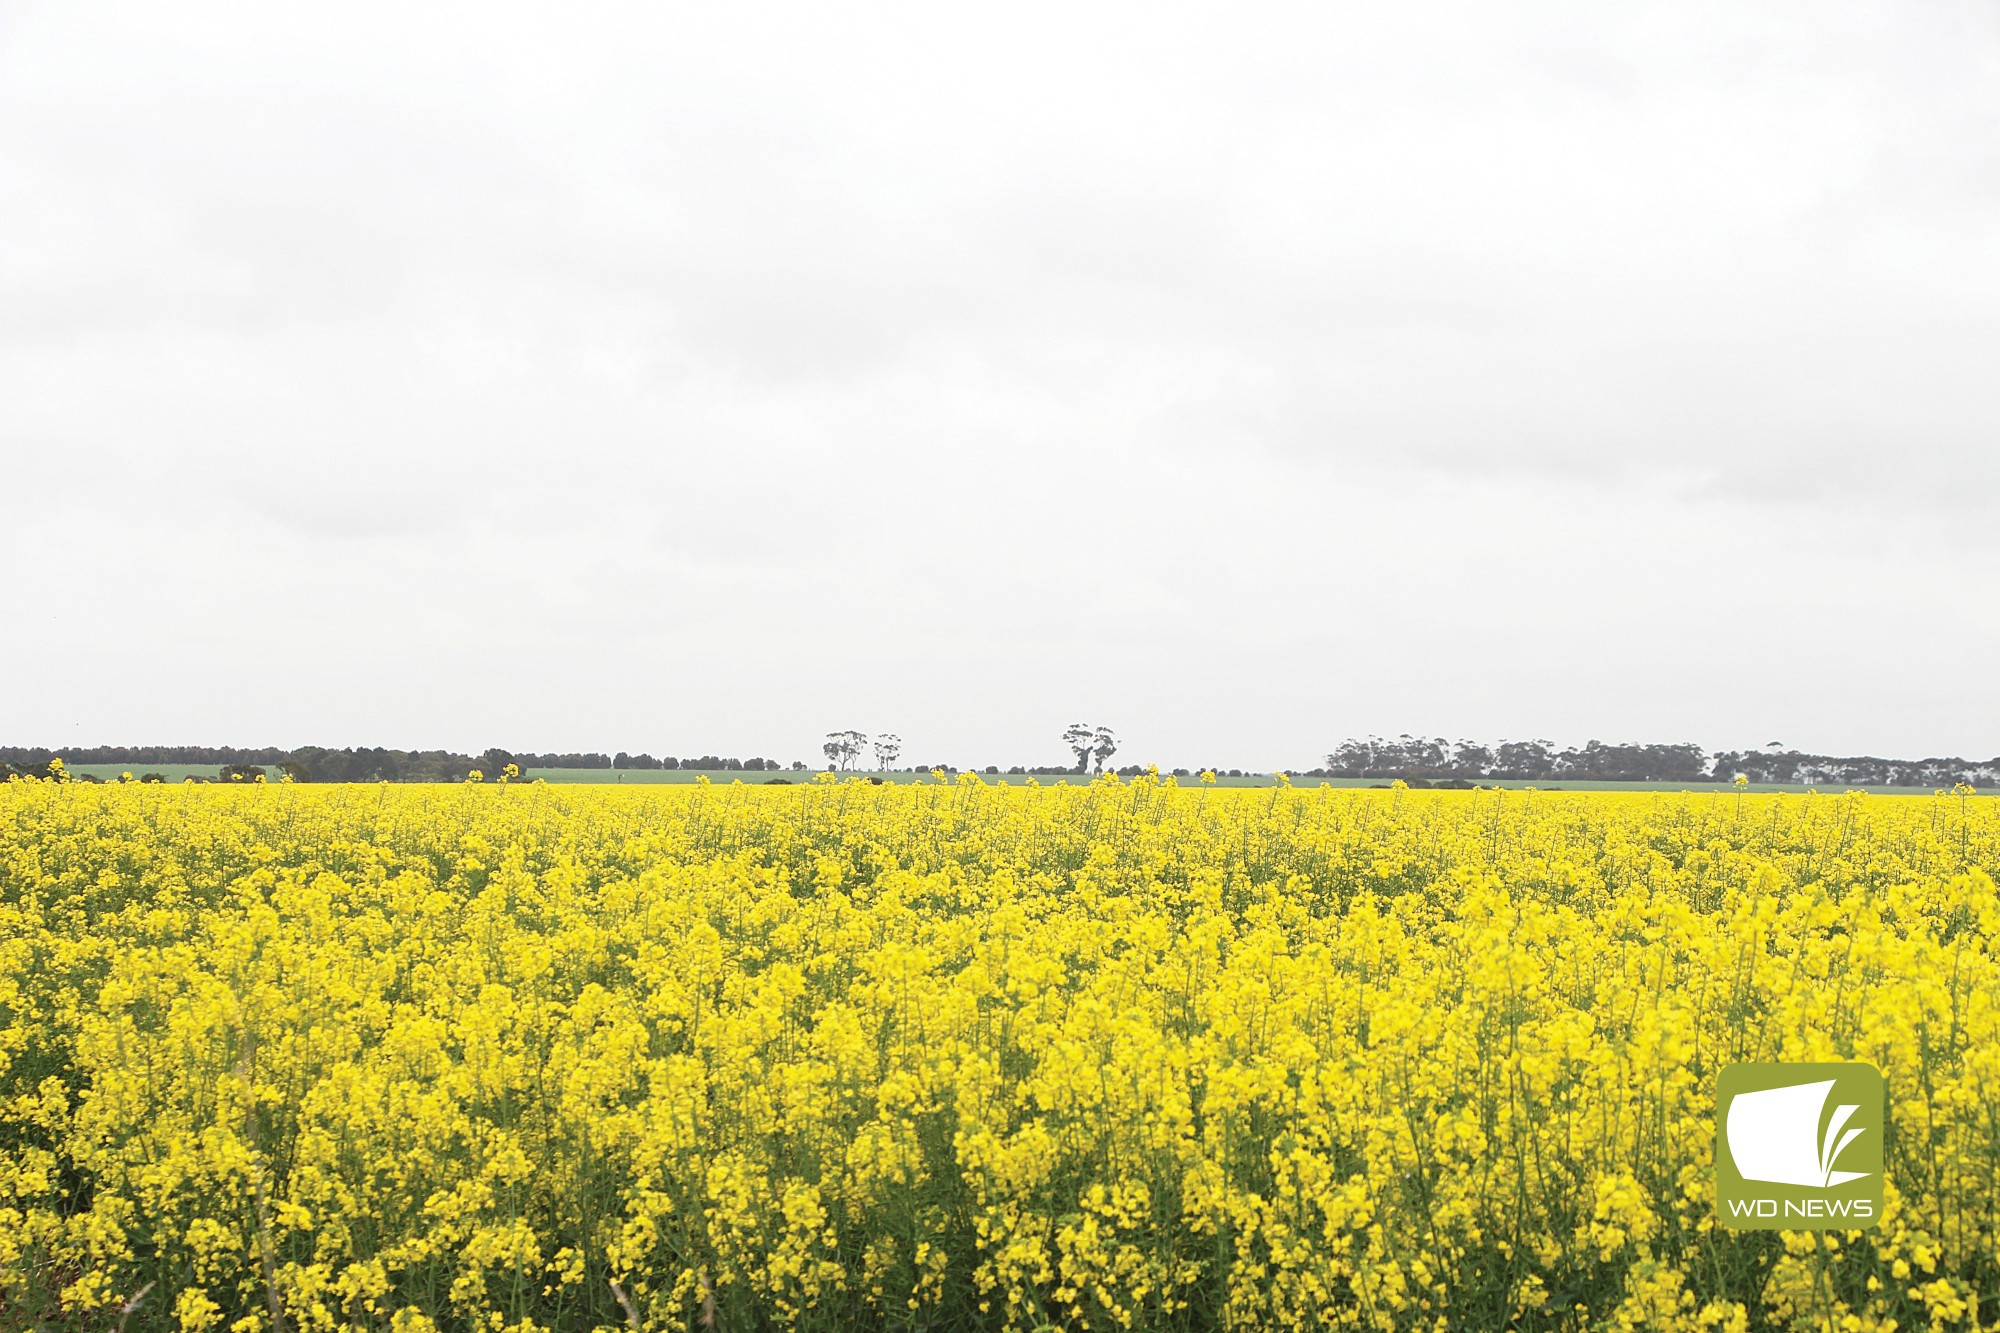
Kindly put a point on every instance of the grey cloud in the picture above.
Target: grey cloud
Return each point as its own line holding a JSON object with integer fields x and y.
{"x": 1119, "y": 336}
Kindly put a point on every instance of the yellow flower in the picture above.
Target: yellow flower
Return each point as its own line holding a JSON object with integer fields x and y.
{"x": 966, "y": 1054}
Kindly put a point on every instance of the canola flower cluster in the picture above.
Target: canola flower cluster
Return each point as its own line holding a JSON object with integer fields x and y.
{"x": 967, "y": 1055}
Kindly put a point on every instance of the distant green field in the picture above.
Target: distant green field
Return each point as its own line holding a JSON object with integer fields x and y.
{"x": 172, "y": 772}
{"x": 631, "y": 776}
{"x": 600, "y": 775}
{"x": 655, "y": 776}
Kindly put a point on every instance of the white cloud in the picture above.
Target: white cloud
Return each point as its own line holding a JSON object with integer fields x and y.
{"x": 703, "y": 380}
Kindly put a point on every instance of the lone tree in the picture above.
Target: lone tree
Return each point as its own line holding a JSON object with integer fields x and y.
{"x": 1081, "y": 738}
{"x": 842, "y": 748}
{"x": 888, "y": 748}
{"x": 1089, "y": 744}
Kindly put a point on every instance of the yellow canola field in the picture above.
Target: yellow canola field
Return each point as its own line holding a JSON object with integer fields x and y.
{"x": 1128, "y": 1055}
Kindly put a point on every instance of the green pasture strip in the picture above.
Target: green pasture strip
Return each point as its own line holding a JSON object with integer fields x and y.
{"x": 666, "y": 776}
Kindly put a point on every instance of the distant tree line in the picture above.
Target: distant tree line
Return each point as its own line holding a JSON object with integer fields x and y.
{"x": 28, "y": 755}
{"x": 1818, "y": 770}
{"x": 708, "y": 763}
{"x": 1429, "y": 761}
{"x": 1437, "y": 759}
{"x": 312, "y": 763}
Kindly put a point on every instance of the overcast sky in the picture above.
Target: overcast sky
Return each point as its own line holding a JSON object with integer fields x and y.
{"x": 703, "y": 378}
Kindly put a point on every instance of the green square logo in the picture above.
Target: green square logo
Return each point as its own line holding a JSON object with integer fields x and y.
{"x": 1799, "y": 1147}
